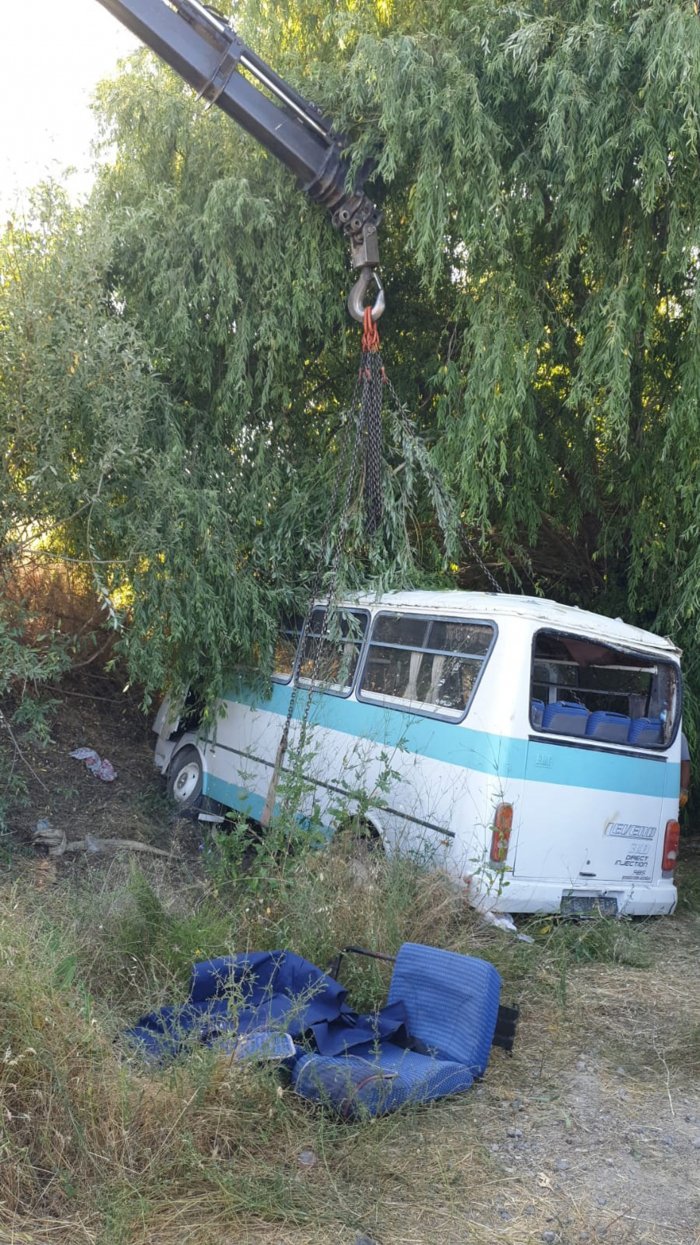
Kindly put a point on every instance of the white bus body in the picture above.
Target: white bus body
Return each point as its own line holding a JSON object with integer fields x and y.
{"x": 530, "y": 748}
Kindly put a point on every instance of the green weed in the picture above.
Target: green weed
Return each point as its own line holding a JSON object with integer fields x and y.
{"x": 688, "y": 876}
{"x": 205, "y": 1151}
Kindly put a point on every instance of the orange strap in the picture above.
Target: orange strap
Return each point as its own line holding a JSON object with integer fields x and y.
{"x": 370, "y": 335}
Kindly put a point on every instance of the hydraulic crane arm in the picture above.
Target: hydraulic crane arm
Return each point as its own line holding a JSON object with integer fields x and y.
{"x": 204, "y": 49}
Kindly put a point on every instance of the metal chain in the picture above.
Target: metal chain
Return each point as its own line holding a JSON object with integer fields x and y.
{"x": 366, "y": 407}
{"x": 373, "y": 382}
{"x": 349, "y": 449}
{"x": 470, "y": 544}
{"x": 365, "y": 412}
{"x": 478, "y": 558}
{"x": 332, "y": 583}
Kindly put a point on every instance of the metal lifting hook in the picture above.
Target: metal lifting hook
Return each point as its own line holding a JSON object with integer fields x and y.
{"x": 356, "y": 297}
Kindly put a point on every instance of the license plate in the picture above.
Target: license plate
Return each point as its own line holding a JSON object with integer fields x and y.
{"x": 588, "y": 905}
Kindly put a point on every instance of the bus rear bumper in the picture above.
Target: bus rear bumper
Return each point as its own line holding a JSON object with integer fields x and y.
{"x": 632, "y": 898}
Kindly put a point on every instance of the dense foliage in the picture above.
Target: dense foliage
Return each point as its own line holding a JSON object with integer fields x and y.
{"x": 175, "y": 358}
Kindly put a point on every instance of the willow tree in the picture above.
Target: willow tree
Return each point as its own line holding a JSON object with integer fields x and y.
{"x": 538, "y": 172}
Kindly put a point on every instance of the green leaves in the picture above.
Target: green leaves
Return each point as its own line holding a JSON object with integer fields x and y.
{"x": 175, "y": 359}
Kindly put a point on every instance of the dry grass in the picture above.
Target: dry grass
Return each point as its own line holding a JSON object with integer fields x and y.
{"x": 87, "y": 1133}
{"x": 61, "y": 599}
{"x": 94, "y": 1148}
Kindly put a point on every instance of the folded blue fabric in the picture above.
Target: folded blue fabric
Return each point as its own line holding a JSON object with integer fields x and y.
{"x": 239, "y": 993}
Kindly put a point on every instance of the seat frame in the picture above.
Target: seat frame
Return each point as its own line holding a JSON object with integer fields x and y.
{"x": 507, "y": 1020}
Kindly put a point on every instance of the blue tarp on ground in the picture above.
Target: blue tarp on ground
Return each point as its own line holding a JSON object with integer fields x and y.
{"x": 432, "y": 1037}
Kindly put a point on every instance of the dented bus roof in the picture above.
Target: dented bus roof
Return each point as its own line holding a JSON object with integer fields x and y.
{"x": 538, "y": 609}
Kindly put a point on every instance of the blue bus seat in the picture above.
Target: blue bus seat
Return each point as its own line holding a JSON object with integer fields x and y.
{"x": 565, "y": 716}
{"x": 536, "y": 712}
{"x": 451, "y": 1007}
{"x": 604, "y": 724}
{"x": 433, "y": 1037}
{"x": 645, "y": 732}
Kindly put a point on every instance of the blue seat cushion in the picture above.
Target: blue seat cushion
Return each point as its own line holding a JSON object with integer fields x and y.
{"x": 604, "y": 724}
{"x": 371, "y": 1082}
{"x": 451, "y": 1002}
{"x": 645, "y": 732}
{"x": 565, "y": 716}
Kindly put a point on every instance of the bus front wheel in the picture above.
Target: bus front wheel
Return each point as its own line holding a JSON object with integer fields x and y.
{"x": 185, "y": 778}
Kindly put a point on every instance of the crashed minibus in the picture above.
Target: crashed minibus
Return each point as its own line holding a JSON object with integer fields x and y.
{"x": 529, "y": 748}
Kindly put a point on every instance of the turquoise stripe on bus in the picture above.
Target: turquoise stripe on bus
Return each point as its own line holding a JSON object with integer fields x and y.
{"x": 233, "y": 796}
{"x": 247, "y": 802}
{"x": 453, "y": 744}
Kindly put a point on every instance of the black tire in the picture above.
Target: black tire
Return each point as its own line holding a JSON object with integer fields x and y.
{"x": 185, "y": 778}
{"x": 358, "y": 839}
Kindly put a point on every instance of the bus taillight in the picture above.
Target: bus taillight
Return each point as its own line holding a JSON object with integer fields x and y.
{"x": 671, "y": 844}
{"x": 500, "y": 837}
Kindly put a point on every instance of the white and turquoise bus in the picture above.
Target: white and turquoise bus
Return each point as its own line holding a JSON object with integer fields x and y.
{"x": 530, "y": 748}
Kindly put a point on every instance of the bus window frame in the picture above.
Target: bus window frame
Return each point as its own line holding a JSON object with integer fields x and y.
{"x": 411, "y": 706}
{"x": 584, "y": 741}
{"x": 285, "y": 679}
{"x": 308, "y": 685}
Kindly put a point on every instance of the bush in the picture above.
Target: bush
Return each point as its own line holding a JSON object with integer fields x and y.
{"x": 50, "y": 620}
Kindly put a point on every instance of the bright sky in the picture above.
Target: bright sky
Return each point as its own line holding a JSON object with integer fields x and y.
{"x": 52, "y": 54}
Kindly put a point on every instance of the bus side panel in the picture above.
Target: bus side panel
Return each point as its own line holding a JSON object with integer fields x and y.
{"x": 426, "y": 807}
{"x": 414, "y": 773}
{"x": 239, "y": 756}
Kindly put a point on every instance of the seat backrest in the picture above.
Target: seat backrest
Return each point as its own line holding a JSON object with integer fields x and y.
{"x": 645, "y": 732}
{"x": 566, "y": 716}
{"x": 536, "y": 712}
{"x": 604, "y": 724}
{"x": 451, "y": 1001}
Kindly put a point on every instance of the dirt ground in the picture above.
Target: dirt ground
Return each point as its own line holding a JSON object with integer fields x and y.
{"x": 96, "y": 713}
{"x": 589, "y": 1133}
{"x": 600, "y": 1140}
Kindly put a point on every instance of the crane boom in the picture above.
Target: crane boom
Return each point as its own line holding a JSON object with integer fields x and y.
{"x": 204, "y": 49}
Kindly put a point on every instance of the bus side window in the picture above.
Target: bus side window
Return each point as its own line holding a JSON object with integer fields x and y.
{"x": 428, "y": 664}
{"x": 286, "y": 650}
{"x": 581, "y": 687}
{"x": 332, "y": 649}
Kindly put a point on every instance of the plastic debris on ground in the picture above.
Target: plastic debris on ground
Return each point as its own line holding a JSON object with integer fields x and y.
{"x": 100, "y": 767}
{"x": 504, "y": 921}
